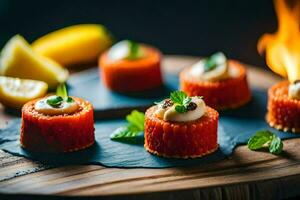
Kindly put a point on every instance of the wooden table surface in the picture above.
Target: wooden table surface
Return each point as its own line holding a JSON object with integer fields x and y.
{"x": 245, "y": 175}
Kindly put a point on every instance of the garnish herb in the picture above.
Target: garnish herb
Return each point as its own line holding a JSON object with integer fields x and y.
{"x": 212, "y": 62}
{"x": 55, "y": 101}
{"x": 276, "y": 146}
{"x": 135, "y": 126}
{"x": 61, "y": 91}
{"x": 209, "y": 64}
{"x": 134, "y": 50}
{"x": 181, "y": 101}
{"x": 61, "y": 95}
{"x": 70, "y": 100}
{"x": 266, "y": 139}
{"x": 136, "y": 120}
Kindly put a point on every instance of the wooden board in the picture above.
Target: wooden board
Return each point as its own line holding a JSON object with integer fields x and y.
{"x": 245, "y": 175}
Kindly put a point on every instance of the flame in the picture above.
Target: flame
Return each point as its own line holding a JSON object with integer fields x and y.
{"x": 283, "y": 47}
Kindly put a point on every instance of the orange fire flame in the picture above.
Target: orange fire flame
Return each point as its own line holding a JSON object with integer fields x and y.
{"x": 283, "y": 47}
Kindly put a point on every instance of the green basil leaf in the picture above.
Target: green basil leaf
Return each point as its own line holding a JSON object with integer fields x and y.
{"x": 180, "y": 109}
{"x": 124, "y": 132}
{"x": 136, "y": 120}
{"x": 276, "y": 145}
{"x": 61, "y": 91}
{"x": 70, "y": 100}
{"x": 119, "y": 132}
{"x": 259, "y": 139}
{"x": 178, "y": 97}
{"x": 134, "y": 128}
{"x": 265, "y": 133}
{"x": 209, "y": 64}
{"x": 55, "y": 101}
{"x": 134, "y": 50}
{"x": 181, "y": 101}
{"x": 213, "y": 61}
{"x": 256, "y": 142}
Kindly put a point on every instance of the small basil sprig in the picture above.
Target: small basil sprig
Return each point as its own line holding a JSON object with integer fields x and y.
{"x": 209, "y": 65}
{"x": 213, "y": 61}
{"x": 61, "y": 95}
{"x": 54, "y": 101}
{"x": 266, "y": 139}
{"x": 181, "y": 101}
{"x": 134, "y": 127}
{"x": 134, "y": 50}
{"x": 61, "y": 91}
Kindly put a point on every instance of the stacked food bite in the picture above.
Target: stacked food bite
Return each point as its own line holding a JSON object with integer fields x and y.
{"x": 131, "y": 67}
{"x": 284, "y": 106}
{"x": 222, "y": 82}
{"x": 181, "y": 127}
{"x": 57, "y": 123}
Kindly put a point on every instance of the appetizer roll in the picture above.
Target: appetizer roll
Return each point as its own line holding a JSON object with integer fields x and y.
{"x": 284, "y": 106}
{"x": 57, "y": 124}
{"x": 129, "y": 67}
{"x": 222, "y": 83}
{"x": 181, "y": 127}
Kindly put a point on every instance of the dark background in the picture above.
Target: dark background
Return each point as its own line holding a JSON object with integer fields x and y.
{"x": 176, "y": 27}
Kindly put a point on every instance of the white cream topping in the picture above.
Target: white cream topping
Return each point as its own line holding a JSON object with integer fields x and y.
{"x": 294, "y": 90}
{"x": 220, "y": 72}
{"x": 170, "y": 114}
{"x": 43, "y": 107}
{"x": 121, "y": 51}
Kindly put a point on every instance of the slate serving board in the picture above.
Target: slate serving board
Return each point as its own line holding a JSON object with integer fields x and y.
{"x": 110, "y": 104}
{"x": 235, "y": 127}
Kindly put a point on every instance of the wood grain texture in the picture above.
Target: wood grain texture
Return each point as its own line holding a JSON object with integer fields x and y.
{"x": 245, "y": 175}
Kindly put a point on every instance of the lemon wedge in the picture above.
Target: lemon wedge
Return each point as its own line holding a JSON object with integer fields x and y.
{"x": 19, "y": 60}
{"x": 73, "y": 45}
{"x": 15, "y": 92}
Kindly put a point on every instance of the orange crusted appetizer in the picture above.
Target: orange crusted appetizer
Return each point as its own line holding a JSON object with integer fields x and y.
{"x": 284, "y": 106}
{"x": 129, "y": 67}
{"x": 222, "y": 83}
{"x": 181, "y": 127}
{"x": 57, "y": 123}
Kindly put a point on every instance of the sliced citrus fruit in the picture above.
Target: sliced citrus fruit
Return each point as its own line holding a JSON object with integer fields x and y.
{"x": 19, "y": 60}
{"x": 15, "y": 92}
{"x": 78, "y": 44}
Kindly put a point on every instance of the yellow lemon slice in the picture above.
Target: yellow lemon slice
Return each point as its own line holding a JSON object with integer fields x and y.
{"x": 78, "y": 44}
{"x": 15, "y": 92}
{"x": 19, "y": 60}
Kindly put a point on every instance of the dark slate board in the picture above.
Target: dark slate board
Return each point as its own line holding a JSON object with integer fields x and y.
{"x": 109, "y": 104}
{"x": 235, "y": 127}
